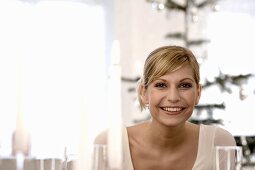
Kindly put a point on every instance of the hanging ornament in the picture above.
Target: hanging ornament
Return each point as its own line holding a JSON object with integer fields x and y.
{"x": 215, "y": 7}
{"x": 157, "y": 5}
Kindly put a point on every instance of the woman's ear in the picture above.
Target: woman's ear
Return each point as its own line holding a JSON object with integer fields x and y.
{"x": 199, "y": 90}
{"x": 144, "y": 95}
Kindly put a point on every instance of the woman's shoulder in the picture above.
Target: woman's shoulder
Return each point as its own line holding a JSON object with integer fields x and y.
{"x": 221, "y": 135}
{"x": 224, "y": 137}
{"x": 135, "y": 132}
{"x": 134, "y": 129}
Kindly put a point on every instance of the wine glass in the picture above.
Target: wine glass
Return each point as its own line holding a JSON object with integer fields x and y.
{"x": 229, "y": 157}
{"x": 99, "y": 157}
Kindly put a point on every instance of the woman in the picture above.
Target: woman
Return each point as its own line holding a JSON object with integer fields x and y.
{"x": 170, "y": 89}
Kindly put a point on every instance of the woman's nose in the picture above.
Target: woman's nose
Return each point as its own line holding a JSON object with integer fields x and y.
{"x": 173, "y": 95}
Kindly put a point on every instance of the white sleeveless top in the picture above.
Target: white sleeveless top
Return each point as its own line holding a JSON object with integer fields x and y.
{"x": 209, "y": 137}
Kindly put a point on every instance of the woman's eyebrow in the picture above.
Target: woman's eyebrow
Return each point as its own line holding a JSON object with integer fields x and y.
{"x": 184, "y": 79}
{"x": 161, "y": 79}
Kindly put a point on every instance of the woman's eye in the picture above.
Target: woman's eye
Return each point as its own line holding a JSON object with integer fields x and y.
{"x": 185, "y": 85}
{"x": 160, "y": 85}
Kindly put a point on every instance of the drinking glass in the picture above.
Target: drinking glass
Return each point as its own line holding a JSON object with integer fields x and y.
{"x": 99, "y": 157}
{"x": 9, "y": 163}
{"x": 229, "y": 157}
{"x": 44, "y": 164}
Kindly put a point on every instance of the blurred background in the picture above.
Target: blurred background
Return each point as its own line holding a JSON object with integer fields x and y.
{"x": 56, "y": 57}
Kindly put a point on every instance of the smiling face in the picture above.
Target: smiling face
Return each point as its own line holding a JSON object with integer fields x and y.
{"x": 171, "y": 98}
{"x": 164, "y": 60}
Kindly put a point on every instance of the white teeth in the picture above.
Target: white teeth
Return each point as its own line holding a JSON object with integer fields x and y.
{"x": 171, "y": 109}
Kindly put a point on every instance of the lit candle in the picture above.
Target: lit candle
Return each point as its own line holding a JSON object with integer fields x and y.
{"x": 114, "y": 110}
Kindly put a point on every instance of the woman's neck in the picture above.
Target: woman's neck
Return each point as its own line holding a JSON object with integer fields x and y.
{"x": 166, "y": 137}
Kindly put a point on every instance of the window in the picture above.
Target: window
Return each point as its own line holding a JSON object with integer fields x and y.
{"x": 52, "y": 56}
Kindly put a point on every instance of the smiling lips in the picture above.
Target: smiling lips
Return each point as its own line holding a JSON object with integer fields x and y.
{"x": 173, "y": 110}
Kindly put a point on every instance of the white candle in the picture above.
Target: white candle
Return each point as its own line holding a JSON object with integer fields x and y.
{"x": 20, "y": 138}
{"x": 114, "y": 109}
{"x": 85, "y": 144}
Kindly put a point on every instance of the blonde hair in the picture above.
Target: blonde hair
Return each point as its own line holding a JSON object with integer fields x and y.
{"x": 162, "y": 61}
